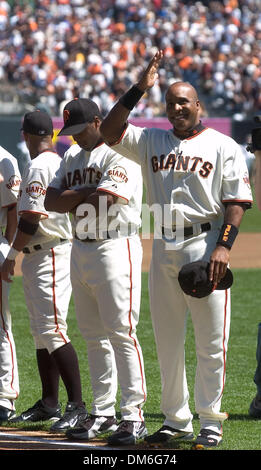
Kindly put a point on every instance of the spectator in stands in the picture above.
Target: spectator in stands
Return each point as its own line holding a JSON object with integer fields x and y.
{"x": 54, "y": 50}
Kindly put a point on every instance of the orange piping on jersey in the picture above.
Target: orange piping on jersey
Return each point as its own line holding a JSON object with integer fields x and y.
{"x": 110, "y": 192}
{"x": 237, "y": 200}
{"x": 130, "y": 330}
{"x": 54, "y": 299}
{"x": 7, "y": 335}
{"x": 33, "y": 212}
{"x": 198, "y": 133}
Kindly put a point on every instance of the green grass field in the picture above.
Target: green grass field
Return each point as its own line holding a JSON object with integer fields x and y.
{"x": 240, "y": 431}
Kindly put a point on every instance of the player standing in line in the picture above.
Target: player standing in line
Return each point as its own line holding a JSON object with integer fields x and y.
{"x": 9, "y": 190}
{"x": 200, "y": 176}
{"x": 255, "y": 405}
{"x": 105, "y": 270}
{"x": 46, "y": 241}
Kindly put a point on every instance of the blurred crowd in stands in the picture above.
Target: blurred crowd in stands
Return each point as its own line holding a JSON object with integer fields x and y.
{"x": 54, "y": 50}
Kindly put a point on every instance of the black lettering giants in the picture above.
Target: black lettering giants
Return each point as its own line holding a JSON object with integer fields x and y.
{"x": 181, "y": 163}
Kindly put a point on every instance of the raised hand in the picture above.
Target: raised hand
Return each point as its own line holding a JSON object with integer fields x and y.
{"x": 150, "y": 75}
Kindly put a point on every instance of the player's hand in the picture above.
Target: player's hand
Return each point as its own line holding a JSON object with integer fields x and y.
{"x": 219, "y": 260}
{"x": 150, "y": 75}
{"x": 7, "y": 270}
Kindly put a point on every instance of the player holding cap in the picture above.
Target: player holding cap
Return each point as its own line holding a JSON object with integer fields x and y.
{"x": 105, "y": 270}
{"x": 45, "y": 239}
{"x": 201, "y": 177}
{"x": 9, "y": 190}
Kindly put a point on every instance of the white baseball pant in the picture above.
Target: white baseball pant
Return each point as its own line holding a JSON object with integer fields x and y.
{"x": 9, "y": 379}
{"x": 211, "y": 321}
{"x": 47, "y": 288}
{"x": 106, "y": 280}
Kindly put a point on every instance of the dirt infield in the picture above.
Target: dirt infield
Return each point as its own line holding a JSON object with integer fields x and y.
{"x": 246, "y": 253}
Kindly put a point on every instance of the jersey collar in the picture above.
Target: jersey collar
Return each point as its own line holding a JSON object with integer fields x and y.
{"x": 192, "y": 132}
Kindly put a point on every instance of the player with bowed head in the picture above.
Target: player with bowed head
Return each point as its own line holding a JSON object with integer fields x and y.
{"x": 45, "y": 240}
{"x": 200, "y": 175}
{"x": 105, "y": 270}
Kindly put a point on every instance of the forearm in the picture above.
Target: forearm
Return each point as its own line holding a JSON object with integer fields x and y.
{"x": 114, "y": 123}
{"x": 65, "y": 201}
{"x": 27, "y": 227}
{"x": 234, "y": 214}
{"x": 258, "y": 178}
{"x": 11, "y": 224}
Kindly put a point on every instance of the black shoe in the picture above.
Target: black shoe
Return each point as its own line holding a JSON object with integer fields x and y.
{"x": 166, "y": 434}
{"x": 38, "y": 412}
{"x": 74, "y": 415}
{"x": 207, "y": 438}
{"x": 255, "y": 407}
{"x": 127, "y": 433}
{"x": 93, "y": 427}
{"x": 6, "y": 414}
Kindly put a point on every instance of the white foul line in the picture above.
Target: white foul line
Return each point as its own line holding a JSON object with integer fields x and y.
{"x": 54, "y": 442}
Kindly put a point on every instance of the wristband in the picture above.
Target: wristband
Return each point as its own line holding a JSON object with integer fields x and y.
{"x": 13, "y": 253}
{"x": 27, "y": 227}
{"x": 131, "y": 97}
{"x": 227, "y": 236}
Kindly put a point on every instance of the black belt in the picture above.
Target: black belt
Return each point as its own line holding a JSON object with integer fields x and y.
{"x": 107, "y": 236}
{"x": 187, "y": 231}
{"x": 39, "y": 247}
{"x": 88, "y": 239}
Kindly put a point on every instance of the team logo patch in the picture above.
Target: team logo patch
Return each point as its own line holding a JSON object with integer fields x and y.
{"x": 246, "y": 179}
{"x": 35, "y": 189}
{"x": 66, "y": 115}
{"x": 13, "y": 183}
{"x": 118, "y": 174}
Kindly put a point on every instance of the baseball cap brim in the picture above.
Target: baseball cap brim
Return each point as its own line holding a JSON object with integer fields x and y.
{"x": 73, "y": 130}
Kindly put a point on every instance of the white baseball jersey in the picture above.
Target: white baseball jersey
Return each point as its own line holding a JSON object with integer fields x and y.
{"x": 9, "y": 190}
{"x": 10, "y": 180}
{"x": 46, "y": 272}
{"x": 194, "y": 176}
{"x": 36, "y": 178}
{"x": 106, "y": 171}
{"x": 106, "y": 278}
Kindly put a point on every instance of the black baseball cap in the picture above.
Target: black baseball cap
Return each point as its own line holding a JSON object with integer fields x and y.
{"x": 193, "y": 279}
{"x": 37, "y": 123}
{"x": 77, "y": 114}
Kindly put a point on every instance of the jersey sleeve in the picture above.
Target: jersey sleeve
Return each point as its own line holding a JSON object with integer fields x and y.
{"x": 10, "y": 182}
{"x": 132, "y": 143}
{"x": 58, "y": 181}
{"x": 33, "y": 192}
{"x": 119, "y": 179}
{"x": 236, "y": 186}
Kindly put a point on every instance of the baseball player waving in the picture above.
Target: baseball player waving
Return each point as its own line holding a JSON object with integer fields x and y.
{"x": 198, "y": 177}
{"x": 104, "y": 191}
